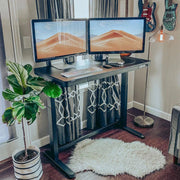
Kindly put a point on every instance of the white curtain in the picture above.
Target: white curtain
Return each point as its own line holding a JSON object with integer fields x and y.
{"x": 55, "y": 9}
{"x": 104, "y": 8}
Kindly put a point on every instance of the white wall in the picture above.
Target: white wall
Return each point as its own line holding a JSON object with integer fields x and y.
{"x": 164, "y": 74}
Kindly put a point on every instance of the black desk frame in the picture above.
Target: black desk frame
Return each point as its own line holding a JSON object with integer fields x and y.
{"x": 47, "y": 72}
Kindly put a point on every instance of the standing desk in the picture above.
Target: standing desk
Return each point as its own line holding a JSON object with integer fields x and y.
{"x": 54, "y": 74}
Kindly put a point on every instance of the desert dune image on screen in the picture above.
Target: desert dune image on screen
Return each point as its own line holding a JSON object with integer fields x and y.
{"x": 60, "y": 38}
{"x": 116, "y": 35}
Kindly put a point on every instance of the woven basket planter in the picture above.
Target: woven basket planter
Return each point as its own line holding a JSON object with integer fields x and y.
{"x": 30, "y": 169}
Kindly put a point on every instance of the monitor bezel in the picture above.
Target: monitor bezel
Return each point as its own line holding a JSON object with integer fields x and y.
{"x": 117, "y": 52}
{"x": 33, "y": 21}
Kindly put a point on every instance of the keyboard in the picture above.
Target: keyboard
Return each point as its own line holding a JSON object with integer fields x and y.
{"x": 79, "y": 72}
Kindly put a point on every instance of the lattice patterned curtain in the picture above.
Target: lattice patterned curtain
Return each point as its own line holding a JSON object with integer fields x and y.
{"x": 104, "y": 102}
{"x": 68, "y": 114}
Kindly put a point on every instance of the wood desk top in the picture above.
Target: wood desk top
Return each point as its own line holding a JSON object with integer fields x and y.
{"x": 54, "y": 74}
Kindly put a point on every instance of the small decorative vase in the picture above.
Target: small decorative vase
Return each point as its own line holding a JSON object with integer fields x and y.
{"x": 29, "y": 169}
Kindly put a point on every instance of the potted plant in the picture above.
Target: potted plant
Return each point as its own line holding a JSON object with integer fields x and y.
{"x": 24, "y": 96}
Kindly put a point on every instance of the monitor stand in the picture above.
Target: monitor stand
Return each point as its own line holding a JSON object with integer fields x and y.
{"x": 69, "y": 60}
{"x": 64, "y": 63}
{"x": 48, "y": 63}
{"x": 115, "y": 58}
{"x": 99, "y": 57}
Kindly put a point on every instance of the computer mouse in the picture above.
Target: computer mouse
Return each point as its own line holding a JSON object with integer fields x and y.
{"x": 107, "y": 66}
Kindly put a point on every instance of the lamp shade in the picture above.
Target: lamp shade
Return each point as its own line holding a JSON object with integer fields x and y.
{"x": 161, "y": 36}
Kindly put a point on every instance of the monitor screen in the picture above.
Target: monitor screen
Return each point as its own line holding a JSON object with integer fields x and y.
{"x": 116, "y": 35}
{"x": 54, "y": 39}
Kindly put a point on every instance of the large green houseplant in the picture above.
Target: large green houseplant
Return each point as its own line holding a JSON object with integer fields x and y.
{"x": 24, "y": 96}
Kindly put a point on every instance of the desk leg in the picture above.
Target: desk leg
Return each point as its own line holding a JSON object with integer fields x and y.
{"x": 124, "y": 96}
{"x": 54, "y": 152}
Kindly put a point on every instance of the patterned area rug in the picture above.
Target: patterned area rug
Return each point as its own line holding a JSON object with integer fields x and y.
{"x": 112, "y": 157}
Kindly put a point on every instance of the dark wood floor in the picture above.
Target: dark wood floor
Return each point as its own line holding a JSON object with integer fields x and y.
{"x": 156, "y": 137}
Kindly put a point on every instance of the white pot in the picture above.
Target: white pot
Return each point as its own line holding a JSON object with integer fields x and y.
{"x": 30, "y": 169}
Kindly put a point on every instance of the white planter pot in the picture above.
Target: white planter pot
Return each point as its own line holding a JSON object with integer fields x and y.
{"x": 30, "y": 169}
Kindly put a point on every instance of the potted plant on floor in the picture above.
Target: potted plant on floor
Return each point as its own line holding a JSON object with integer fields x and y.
{"x": 26, "y": 102}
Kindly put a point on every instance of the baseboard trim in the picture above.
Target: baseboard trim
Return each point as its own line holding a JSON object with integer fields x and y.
{"x": 42, "y": 141}
{"x": 130, "y": 105}
{"x": 152, "y": 111}
{"x": 7, "y": 149}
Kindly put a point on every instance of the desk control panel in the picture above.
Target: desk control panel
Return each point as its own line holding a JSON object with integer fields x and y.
{"x": 79, "y": 72}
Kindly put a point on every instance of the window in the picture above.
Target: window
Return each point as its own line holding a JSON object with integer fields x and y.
{"x": 4, "y": 135}
{"x": 81, "y": 8}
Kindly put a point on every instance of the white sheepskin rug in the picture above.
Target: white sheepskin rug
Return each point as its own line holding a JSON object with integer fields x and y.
{"x": 112, "y": 157}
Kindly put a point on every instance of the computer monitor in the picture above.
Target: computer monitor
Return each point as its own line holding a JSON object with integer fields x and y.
{"x": 116, "y": 35}
{"x": 56, "y": 39}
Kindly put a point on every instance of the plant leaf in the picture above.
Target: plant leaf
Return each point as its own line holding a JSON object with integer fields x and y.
{"x": 28, "y": 90}
{"x": 15, "y": 85}
{"x": 19, "y": 71}
{"x": 52, "y": 90}
{"x": 18, "y": 110}
{"x": 28, "y": 68}
{"x": 36, "y": 88}
{"x": 36, "y": 83}
{"x": 31, "y": 120}
{"x": 31, "y": 110}
{"x": 36, "y": 100}
{"x": 9, "y": 95}
{"x": 7, "y": 117}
